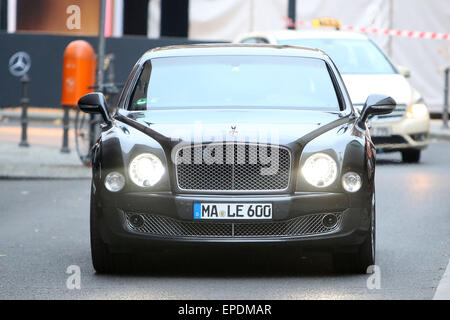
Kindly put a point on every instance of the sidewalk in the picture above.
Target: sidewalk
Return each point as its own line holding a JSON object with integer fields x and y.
{"x": 43, "y": 162}
{"x": 54, "y": 115}
{"x": 42, "y": 159}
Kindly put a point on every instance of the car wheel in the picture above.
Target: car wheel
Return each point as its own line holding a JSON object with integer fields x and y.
{"x": 411, "y": 156}
{"x": 361, "y": 257}
{"x": 103, "y": 260}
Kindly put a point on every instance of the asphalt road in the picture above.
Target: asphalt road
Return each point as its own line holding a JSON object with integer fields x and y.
{"x": 44, "y": 229}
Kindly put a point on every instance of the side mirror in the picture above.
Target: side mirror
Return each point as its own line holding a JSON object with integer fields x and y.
{"x": 95, "y": 102}
{"x": 404, "y": 71}
{"x": 376, "y": 104}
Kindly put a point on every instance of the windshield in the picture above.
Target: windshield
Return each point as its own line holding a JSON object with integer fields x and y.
{"x": 351, "y": 56}
{"x": 234, "y": 81}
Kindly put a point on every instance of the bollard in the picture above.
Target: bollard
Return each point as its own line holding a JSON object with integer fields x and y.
{"x": 65, "y": 145}
{"x": 24, "y": 101}
{"x": 445, "y": 112}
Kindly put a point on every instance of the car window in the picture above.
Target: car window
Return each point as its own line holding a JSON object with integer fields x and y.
{"x": 234, "y": 81}
{"x": 123, "y": 94}
{"x": 352, "y": 56}
{"x": 254, "y": 40}
{"x": 139, "y": 97}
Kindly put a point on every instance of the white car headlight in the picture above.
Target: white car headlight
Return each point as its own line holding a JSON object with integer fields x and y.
{"x": 320, "y": 170}
{"x": 114, "y": 181}
{"x": 351, "y": 181}
{"x": 146, "y": 170}
{"x": 417, "y": 110}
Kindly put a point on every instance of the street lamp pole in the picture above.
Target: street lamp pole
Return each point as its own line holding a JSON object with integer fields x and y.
{"x": 101, "y": 46}
{"x": 292, "y": 13}
{"x": 446, "y": 89}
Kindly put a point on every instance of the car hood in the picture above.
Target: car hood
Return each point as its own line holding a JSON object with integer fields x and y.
{"x": 395, "y": 85}
{"x": 233, "y": 124}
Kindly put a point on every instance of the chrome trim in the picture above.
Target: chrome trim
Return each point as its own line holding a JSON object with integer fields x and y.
{"x": 177, "y": 149}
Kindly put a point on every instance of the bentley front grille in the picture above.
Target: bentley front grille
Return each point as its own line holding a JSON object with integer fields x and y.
{"x": 233, "y": 167}
{"x": 313, "y": 224}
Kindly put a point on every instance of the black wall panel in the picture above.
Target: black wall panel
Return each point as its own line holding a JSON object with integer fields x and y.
{"x": 46, "y": 52}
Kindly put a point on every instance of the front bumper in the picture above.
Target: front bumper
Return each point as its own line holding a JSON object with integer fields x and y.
{"x": 405, "y": 134}
{"x": 116, "y": 231}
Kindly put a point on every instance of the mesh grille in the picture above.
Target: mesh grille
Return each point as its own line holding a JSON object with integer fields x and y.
{"x": 300, "y": 226}
{"x": 233, "y": 167}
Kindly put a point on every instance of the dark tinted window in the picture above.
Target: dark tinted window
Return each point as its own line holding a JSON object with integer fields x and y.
{"x": 234, "y": 81}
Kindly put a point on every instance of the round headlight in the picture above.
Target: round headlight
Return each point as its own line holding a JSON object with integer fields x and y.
{"x": 146, "y": 170}
{"x": 320, "y": 170}
{"x": 417, "y": 110}
{"x": 351, "y": 181}
{"x": 114, "y": 181}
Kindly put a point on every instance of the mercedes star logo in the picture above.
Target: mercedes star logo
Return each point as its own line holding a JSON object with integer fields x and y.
{"x": 19, "y": 64}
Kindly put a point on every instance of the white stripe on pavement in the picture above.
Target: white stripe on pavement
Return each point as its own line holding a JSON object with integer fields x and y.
{"x": 443, "y": 289}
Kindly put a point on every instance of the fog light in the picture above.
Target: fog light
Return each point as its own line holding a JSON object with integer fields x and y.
{"x": 136, "y": 220}
{"x": 114, "y": 181}
{"x": 329, "y": 221}
{"x": 351, "y": 181}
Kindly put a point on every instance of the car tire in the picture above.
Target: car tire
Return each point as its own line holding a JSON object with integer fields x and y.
{"x": 103, "y": 260}
{"x": 411, "y": 156}
{"x": 361, "y": 257}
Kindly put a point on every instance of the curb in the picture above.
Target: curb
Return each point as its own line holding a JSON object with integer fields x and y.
{"x": 440, "y": 136}
{"x": 443, "y": 289}
{"x": 35, "y": 116}
{"x": 5, "y": 177}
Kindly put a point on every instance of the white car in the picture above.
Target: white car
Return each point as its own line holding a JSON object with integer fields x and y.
{"x": 365, "y": 69}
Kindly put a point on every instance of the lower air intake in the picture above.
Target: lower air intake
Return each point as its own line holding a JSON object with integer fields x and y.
{"x": 296, "y": 227}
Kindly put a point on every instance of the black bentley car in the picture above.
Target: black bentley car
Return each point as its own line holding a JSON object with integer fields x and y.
{"x": 233, "y": 145}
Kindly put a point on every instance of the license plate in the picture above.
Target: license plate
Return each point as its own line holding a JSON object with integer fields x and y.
{"x": 381, "y": 131}
{"x": 226, "y": 211}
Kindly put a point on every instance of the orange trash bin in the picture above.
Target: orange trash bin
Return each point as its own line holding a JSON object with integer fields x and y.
{"x": 79, "y": 66}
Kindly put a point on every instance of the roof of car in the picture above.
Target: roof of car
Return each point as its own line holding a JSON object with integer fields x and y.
{"x": 233, "y": 49}
{"x": 322, "y": 33}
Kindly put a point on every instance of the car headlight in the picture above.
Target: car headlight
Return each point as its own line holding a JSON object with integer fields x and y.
{"x": 351, "y": 181}
{"x": 146, "y": 170}
{"x": 417, "y": 110}
{"x": 114, "y": 181}
{"x": 320, "y": 170}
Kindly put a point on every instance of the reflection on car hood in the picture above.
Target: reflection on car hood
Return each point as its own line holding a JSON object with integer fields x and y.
{"x": 234, "y": 124}
{"x": 361, "y": 86}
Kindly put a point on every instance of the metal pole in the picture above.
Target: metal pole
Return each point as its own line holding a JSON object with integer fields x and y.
{"x": 24, "y": 118}
{"x": 93, "y": 126}
{"x": 292, "y": 13}
{"x": 445, "y": 113}
{"x": 65, "y": 145}
{"x": 101, "y": 46}
{"x": 390, "y": 26}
